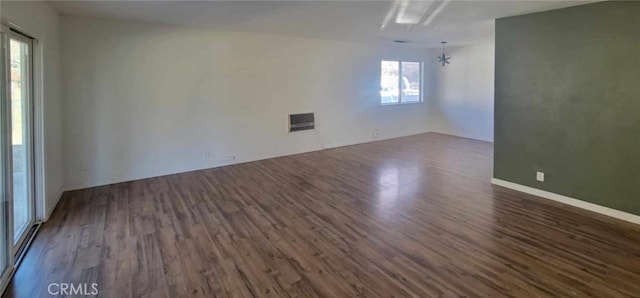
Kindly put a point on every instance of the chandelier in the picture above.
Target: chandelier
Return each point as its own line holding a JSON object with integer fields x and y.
{"x": 443, "y": 59}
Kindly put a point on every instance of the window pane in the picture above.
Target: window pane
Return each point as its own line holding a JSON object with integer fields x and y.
{"x": 411, "y": 82}
{"x": 389, "y": 91}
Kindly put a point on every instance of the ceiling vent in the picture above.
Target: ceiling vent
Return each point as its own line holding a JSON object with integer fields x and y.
{"x": 300, "y": 122}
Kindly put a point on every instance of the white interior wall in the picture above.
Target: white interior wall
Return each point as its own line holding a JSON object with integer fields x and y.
{"x": 144, "y": 100}
{"x": 39, "y": 20}
{"x": 461, "y": 99}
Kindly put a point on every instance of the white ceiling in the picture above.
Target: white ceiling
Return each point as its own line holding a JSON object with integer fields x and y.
{"x": 423, "y": 23}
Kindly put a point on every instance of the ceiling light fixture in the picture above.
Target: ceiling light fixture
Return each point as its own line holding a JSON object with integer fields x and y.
{"x": 412, "y": 12}
{"x": 443, "y": 59}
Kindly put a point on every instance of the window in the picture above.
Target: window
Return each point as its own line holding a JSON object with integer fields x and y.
{"x": 400, "y": 82}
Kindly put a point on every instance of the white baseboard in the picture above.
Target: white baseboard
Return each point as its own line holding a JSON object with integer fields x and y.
{"x": 569, "y": 201}
{"x": 199, "y": 165}
{"x": 53, "y": 205}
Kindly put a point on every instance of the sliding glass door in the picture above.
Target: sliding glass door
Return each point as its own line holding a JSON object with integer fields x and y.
{"x": 17, "y": 214}
{"x": 21, "y": 136}
{"x": 5, "y": 203}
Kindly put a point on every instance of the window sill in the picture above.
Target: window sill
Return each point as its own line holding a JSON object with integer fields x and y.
{"x": 400, "y": 103}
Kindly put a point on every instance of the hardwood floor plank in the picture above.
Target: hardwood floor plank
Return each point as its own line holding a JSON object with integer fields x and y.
{"x": 408, "y": 217}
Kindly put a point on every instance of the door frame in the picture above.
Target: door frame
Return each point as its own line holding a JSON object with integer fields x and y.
{"x": 30, "y": 149}
{"x": 37, "y": 74}
{"x": 4, "y": 191}
{"x": 38, "y": 141}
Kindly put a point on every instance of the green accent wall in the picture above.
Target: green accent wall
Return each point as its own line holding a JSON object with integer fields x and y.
{"x": 567, "y": 102}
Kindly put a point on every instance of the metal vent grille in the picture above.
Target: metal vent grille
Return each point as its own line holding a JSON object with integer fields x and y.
{"x": 299, "y": 122}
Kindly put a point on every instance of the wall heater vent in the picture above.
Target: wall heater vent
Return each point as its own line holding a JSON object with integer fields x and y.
{"x": 299, "y": 122}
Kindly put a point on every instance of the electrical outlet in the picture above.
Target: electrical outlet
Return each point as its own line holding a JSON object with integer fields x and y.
{"x": 228, "y": 158}
{"x": 540, "y": 176}
{"x": 375, "y": 133}
{"x": 207, "y": 154}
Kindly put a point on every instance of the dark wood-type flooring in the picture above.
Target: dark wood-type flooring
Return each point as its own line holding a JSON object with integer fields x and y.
{"x": 408, "y": 217}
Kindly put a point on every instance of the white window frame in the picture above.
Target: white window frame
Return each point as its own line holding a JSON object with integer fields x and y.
{"x": 421, "y": 96}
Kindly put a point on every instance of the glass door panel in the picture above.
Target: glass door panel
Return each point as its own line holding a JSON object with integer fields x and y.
{"x": 20, "y": 107}
{"x": 16, "y": 154}
{"x": 5, "y": 256}
{"x": 20, "y": 143}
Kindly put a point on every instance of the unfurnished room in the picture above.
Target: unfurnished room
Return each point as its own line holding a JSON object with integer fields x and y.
{"x": 392, "y": 148}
